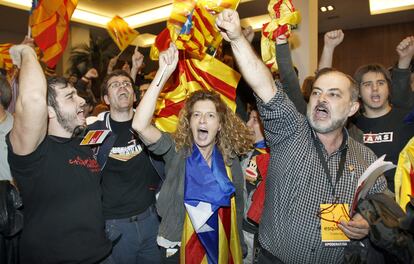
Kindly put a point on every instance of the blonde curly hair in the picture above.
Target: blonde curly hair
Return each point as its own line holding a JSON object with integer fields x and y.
{"x": 233, "y": 139}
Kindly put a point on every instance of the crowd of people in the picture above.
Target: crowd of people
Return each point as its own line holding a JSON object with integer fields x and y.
{"x": 275, "y": 188}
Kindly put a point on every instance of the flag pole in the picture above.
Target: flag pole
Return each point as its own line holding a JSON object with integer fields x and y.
{"x": 119, "y": 54}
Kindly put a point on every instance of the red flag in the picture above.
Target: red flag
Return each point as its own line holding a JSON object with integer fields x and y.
{"x": 49, "y": 22}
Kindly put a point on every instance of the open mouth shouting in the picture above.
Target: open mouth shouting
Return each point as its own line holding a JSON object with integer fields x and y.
{"x": 376, "y": 98}
{"x": 202, "y": 134}
{"x": 321, "y": 112}
{"x": 80, "y": 114}
{"x": 123, "y": 95}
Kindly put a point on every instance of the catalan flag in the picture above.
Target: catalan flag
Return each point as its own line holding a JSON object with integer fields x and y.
{"x": 283, "y": 16}
{"x": 404, "y": 175}
{"x": 121, "y": 33}
{"x": 192, "y": 28}
{"x": 49, "y": 22}
{"x": 210, "y": 233}
{"x": 5, "y": 59}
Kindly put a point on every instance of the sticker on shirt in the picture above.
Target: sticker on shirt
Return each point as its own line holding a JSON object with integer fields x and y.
{"x": 331, "y": 215}
{"x": 251, "y": 173}
{"x": 371, "y": 138}
{"x": 94, "y": 137}
{"x": 126, "y": 153}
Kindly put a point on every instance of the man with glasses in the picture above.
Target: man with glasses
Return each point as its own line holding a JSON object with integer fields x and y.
{"x": 130, "y": 177}
{"x": 314, "y": 164}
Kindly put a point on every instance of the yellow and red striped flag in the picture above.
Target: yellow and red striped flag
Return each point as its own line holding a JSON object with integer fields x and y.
{"x": 192, "y": 28}
{"x": 121, "y": 33}
{"x": 283, "y": 16}
{"x": 49, "y": 24}
{"x": 5, "y": 59}
{"x": 404, "y": 175}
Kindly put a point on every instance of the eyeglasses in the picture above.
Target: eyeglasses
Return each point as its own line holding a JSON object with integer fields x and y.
{"x": 117, "y": 84}
{"x": 330, "y": 209}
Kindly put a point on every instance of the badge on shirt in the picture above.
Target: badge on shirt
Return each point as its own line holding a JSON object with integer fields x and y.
{"x": 331, "y": 215}
{"x": 94, "y": 137}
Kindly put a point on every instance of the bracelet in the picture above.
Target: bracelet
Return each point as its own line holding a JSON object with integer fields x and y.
{"x": 87, "y": 78}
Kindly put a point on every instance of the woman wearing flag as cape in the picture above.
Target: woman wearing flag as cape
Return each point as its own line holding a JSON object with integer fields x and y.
{"x": 201, "y": 200}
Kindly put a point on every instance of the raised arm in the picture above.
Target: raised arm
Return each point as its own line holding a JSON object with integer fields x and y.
{"x": 405, "y": 52}
{"x": 111, "y": 64}
{"x": 402, "y": 95}
{"x": 256, "y": 74}
{"x": 143, "y": 115}
{"x": 331, "y": 40}
{"x": 137, "y": 63}
{"x": 30, "y": 120}
{"x": 288, "y": 76}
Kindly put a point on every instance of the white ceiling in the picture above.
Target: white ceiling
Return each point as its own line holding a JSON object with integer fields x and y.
{"x": 122, "y": 8}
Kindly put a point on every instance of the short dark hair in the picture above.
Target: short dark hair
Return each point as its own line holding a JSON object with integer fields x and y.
{"x": 353, "y": 84}
{"x": 104, "y": 87}
{"x": 52, "y": 84}
{"x": 5, "y": 92}
{"x": 375, "y": 67}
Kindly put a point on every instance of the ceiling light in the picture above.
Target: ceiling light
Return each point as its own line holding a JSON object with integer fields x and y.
{"x": 21, "y": 4}
{"x": 330, "y": 8}
{"x": 324, "y": 9}
{"x": 386, "y": 6}
{"x": 149, "y": 17}
{"x": 90, "y": 18}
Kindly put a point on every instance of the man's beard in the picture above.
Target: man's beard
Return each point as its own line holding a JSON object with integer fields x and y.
{"x": 79, "y": 131}
{"x": 335, "y": 124}
{"x": 67, "y": 122}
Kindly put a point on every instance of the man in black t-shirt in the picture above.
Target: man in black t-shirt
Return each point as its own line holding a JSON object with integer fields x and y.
{"x": 381, "y": 120}
{"x": 130, "y": 177}
{"x": 58, "y": 179}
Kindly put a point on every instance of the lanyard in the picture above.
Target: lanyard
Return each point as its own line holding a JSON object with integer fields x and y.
{"x": 325, "y": 166}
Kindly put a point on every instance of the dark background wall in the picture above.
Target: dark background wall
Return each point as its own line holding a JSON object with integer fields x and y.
{"x": 368, "y": 45}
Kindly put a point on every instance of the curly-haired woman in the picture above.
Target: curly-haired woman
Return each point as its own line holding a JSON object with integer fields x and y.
{"x": 203, "y": 173}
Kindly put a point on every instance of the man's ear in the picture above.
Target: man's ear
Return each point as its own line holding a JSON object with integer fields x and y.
{"x": 106, "y": 99}
{"x": 354, "y": 108}
{"x": 51, "y": 112}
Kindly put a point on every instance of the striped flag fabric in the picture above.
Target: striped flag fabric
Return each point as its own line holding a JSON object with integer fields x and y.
{"x": 192, "y": 75}
{"x": 283, "y": 16}
{"x": 210, "y": 233}
{"x": 121, "y": 33}
{"x": 49, "y": 22}
{"x": 404, "y": 175}
{"x": 5, "y": 59}
{"x": 192, "y": 28}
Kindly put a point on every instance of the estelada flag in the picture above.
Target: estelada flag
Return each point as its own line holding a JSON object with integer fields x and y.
{"x": 49, "y": 22}
{"x": 121, "y": 33}
{"x": 192, "y": 28}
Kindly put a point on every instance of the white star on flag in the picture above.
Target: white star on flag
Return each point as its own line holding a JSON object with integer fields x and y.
{"x": 199, "y": 215}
